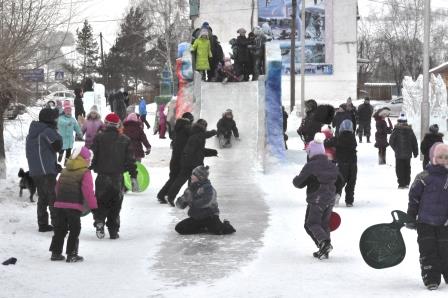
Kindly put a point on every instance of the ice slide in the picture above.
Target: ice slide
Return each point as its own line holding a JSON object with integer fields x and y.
{"x": 191, "y": 259}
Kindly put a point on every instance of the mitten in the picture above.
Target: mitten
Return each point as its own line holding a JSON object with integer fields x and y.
{"x": 134, "y": 183}
{"x": 411, "y": 225}
{"x": 148, "y": 151}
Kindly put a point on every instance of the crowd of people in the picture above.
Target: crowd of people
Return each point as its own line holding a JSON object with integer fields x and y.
{"x": 66, "y": 188}
{"x": 332, "y": 163}
{"x": 247, "y": 54}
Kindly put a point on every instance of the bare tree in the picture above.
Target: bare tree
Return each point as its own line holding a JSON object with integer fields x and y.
{"x": 171, "y": 17}
{"x": 25, "y": 26}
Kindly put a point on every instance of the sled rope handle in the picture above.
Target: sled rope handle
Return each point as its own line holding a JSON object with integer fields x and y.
{"x": 400, "y": 218}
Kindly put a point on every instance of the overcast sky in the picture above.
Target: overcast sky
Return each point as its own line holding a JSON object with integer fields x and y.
{"x": 99, "y": 12}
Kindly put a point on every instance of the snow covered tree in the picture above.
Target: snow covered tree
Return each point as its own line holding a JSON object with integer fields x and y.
{"x": 87, "y": 47}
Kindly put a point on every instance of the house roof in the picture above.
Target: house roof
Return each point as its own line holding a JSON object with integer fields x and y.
{"x": 441, "y": 68}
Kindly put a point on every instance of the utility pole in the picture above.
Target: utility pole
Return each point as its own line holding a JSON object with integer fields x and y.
{"x": 293, "y": 55}
{"x": 302, "y": 61}
{"x": 425, "y": 102}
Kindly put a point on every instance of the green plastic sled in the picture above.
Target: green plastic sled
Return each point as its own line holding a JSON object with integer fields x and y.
{"x": 382, "y": 245}
{"x": 142, "y": 178}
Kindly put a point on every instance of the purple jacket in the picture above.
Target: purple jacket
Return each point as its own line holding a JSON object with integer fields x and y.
{"x": 428, "y": 196}
{"x": 319, "y": 175}
{"x": 91, "y": 127}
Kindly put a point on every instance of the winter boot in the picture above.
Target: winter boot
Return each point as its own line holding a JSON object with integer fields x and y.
{"x": 368, "y": 139}
{"x": 432, "y": 286}
{"x": 360, "y": 139}
{"x": 99, "y": 230}
{"x": 113, "y": 235}
{"x": 316, "y": 255}
{"x": 57, "y": 257}
{"x": 163, "y": 200}
{"x": 325, "y": 248}
{"x": 227, "y": 228}
{"x": 47, "y": 228}
{"x": 74, "y": 258}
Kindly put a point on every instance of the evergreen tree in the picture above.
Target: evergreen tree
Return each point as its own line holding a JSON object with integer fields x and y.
{"x": 87, "y": 47}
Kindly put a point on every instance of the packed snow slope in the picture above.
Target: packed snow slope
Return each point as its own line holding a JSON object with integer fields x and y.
{"x": 189, "y": 259}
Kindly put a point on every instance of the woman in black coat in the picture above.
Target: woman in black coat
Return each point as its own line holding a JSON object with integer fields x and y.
{"x": 192, "y": 156}
{"x": 79, "y": 105}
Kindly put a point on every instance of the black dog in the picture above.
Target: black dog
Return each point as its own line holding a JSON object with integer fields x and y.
{"x": 26, "y": 182}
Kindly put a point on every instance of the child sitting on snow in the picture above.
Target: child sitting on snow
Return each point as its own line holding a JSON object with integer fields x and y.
{"x": 428, "y": 205}
{"x": 226, "y": 126}
{"x": 319, "y": 175}
{"x": 74, "y": 190}
{"x": 203, "y": 214}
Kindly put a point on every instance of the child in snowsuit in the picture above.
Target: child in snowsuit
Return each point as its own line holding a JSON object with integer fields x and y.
{"x": 162, "y": 121}
{"x": 319, "y": 175}
{"x": 202, "y": 48}
{"x": 66, "y": 126}
{"x": 330, "y": 151}
{"x": 428, "y": 205}
{"x": 345, "y": 144}
{"x": 112, "y": 156}
{"x": 428, "y": 140}
{"x": 382, "y": 130}
{"x": 226, "y": 126}
{"x": 74, "y": 190}
{"x": 92, "y": 125}
{"x": 203, "y": 214}
{"x": 404, "y": 143}
{"x": 134, "y": 130}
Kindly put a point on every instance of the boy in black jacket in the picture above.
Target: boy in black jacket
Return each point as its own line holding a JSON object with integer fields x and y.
{"x": 345, "y": 144}
{"x": 428, "y": 140}
{"x": 226, "y": 126}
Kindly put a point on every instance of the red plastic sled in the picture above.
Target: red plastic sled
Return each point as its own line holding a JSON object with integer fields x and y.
{"x": 335, "y": 221}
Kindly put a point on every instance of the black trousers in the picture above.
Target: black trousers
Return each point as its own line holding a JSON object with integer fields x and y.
{"x": 433, "y": 247}
{"x": 46, "y": 191}
{"x": 174, "y": 172}
{"x": 364, "y": 129}
{"x": 349, "y": 171}
{"x": 109, "y": 195}
{"x": 382, "y": 155}
{"x": 212, "y": 225}
{"x": 183, "y": 176}
{"x": 403, "y": 171}
{"x": 67, "y": 220}
{"x": 317, "y": 222}
{"x": 143, "y": 119}
{"x": 68, "y": 153}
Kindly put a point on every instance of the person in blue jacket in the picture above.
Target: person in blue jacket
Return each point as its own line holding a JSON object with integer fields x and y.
{"x": 142, "y": 112}
{"x": 66, "y": 126}
{"x": 42, "y": 144}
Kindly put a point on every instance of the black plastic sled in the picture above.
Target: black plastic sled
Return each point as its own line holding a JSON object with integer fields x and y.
{"x": 382, "y": 245}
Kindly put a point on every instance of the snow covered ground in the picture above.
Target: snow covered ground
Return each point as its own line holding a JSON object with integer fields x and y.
{"x": 270, "y": 255}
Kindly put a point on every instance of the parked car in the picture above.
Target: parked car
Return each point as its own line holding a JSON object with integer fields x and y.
{"x": 14, "y": 109}
{"x": 57, "y": 98}
{"x": 395, "y": 105}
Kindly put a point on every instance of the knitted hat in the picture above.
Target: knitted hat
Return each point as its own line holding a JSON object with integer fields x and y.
{"x": 94, "y": 108}
{"x": 189, "y": 116}
{"x": 205, "y": 25}
{"x": 241, "y": 31}
{"x": 201, "y": 172}
{"x": 314, "y": 148}
{"x": 346, "y": 125}
{"x": 385, "y": 112}
{"x": 48, "y": 115}
{"x": 434, "y": 129}
{"x": 112, "y": 120}
{"x": 202, "y": 122}
{"x": 83, "y": 151}
{"x": 402, "y": 118}
{"x": 132, "y": 117}
{"x": 319, "y": 137}
{"x": 438, "y": 149}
